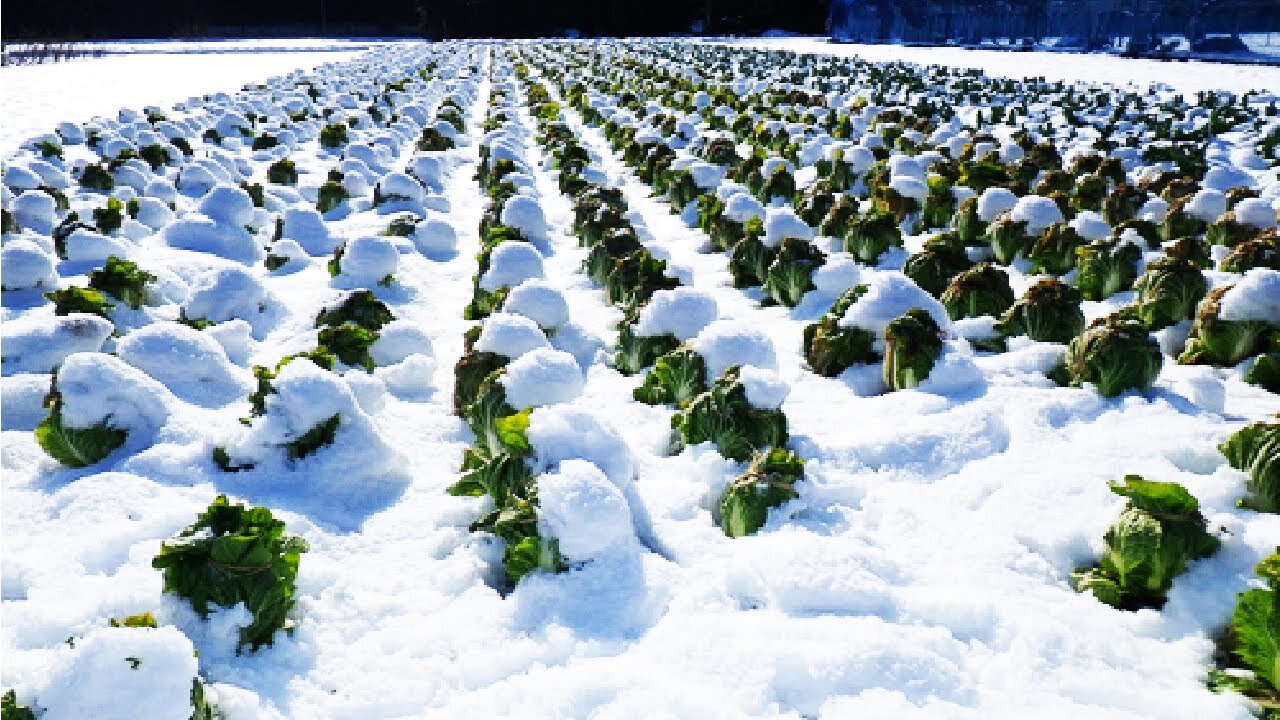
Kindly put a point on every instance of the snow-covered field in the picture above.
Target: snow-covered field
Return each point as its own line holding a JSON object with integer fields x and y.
{"x": 919, "y": 567}
{"x": 35, "y": 97}
{"x": 1189, "y": 76}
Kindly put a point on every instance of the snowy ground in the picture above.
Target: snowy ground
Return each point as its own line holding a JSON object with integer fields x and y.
{"x": 1189, "y": 76}
{"x": 922, "y": 572}
{"x": 34, "y": 97}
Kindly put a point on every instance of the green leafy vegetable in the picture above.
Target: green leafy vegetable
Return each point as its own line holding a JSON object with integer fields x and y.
{"x": 870, "y": 235}
{"x": 79, "y": 300}
{"x": 1168, "y": 292}
{"x": 941, "y": 260}
{"x": 1157, "y": 534}
{"x": 1106, "y": 267}
{"x": 676, "y": 378}
{"x": 724, "y": 416}
{"x": 331, "y": 195}
{"x": 75, "y": 446}
{"x": 1054, "y": 251}
{"x": 233, "y": 554}
{"x": 981, "y": 290}
{"x": 790, "y": 275}
{"x": 333, "y": 135}
{"x": 637, "y": 352}
{"x": 767, "y": 483}
{"x": 912, "y": 344}
{"x": 282, "y": 172}
{"x": 109, "y": 218}
{"x": 1115, "y": 354}
{"x": 831, "y": 349}
{"x": 1265, "y": 372}
{"x": 1048, "y": 312}
{"x": 360, "y": 307}
{"x": 1255, "y": 449}
{"x": 11, "y": 709}
{"x": 123, "y": 280}
{"x": 350, "y": 343}
{"x": 1214, "y": 341}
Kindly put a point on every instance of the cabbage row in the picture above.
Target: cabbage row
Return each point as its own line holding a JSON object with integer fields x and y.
{"x": 1172, "y": 251}
{"x": 135, "y": 252}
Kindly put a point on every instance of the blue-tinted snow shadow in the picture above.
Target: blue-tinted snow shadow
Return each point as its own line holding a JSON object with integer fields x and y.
{"x": 610, "y": 598}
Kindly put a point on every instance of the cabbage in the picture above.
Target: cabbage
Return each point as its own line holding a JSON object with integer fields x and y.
{"x": 1157, "y": 534}
{"x": 912, "y": 344}
{"x": 1048, "y": 312}
{"x": 1115, "y": 354}
{"x": 767, "y": 483}
{"x": 1255, "y": 449}
{"x": 981, "y": 290}
{"x": 723, "y": 415}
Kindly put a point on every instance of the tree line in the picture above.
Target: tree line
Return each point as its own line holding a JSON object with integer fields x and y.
{"x": 100, "y": 19}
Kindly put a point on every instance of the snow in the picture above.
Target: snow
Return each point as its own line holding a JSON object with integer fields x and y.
{"x": 682, "y": 312}
{"x": 435, "y": 237}
{"x": 741, "y": 207}
{"x": 1255, "y": 212}
{"x": 227, "y": 205}
{"x": 1207, "y": 205}
{"x": 35, "y": 210}
{"x": 511, "y": 263}
{"x": 201, "y": 234}
{"x": 725, "y": 343}
{"x": 1256, "y": 297}
{"x": 559, "y": 433}
{"x": 305, "y": 226}
{"x": 765, "y": 390}
{"x": 783, "y": 223}
{"x": 25, "y": 265}
{"x": 909, "y": 186}
{"x": 1090, "y": 226}
{"x": 889, "y": 296}
{"x": 369, "y": 259}
{"x": 585, "y": 512}
{"x": 41, "y": 344}
{"x": 191, "y": 362}
{"x": 121, "y": 674}
{"x": 99, "y": 388}
{"x": 510, "y": 335}
{"x": 1037, "y": 212}
{"x": 523, "y": 213}
{"x": 229, "y": 293}
{"x": 1188, "y": 77}
{"x": 995, "y": 200}
{"x": 921, "y": 572}
{"x": 539, "y": 301}
{"x": 101, "y": 86}
{"x": 399, "y": 339}
{"x": 542, "y": 376}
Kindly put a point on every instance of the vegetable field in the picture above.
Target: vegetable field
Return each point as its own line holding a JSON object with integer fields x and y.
{"x": 622, "y": 379}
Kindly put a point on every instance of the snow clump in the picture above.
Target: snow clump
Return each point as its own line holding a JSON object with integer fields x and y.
{"x": 682, "y": 312}
{"x": 41, "y": 344}
{"x": 542, "y": 376}
{"x": 511, "y": 263}
{"x": 725, "y": 343}
{"x": 1256, "y": 297}
{"x": 121, "y": 674}
{"x": 1037, "y": 212}
{"x": 783, "y": 223}
{"x": 510, "y": 335}
{"x": 539, "y": 301}
{"x": 890, "y": 296}
{"x": 189, "y": 362}
{"x": 585, "y": 512}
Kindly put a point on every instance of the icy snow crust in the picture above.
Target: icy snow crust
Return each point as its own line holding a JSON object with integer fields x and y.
{"x": 921, "y": 572}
